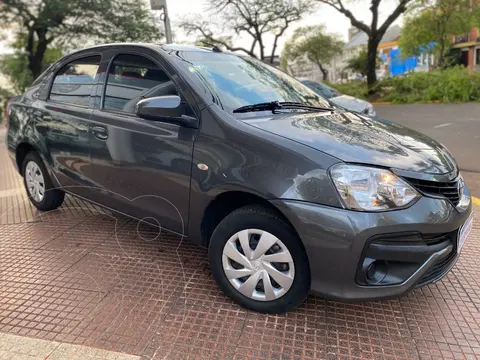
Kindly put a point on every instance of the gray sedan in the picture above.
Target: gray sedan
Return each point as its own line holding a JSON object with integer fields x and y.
{"x": 348, "y": 102}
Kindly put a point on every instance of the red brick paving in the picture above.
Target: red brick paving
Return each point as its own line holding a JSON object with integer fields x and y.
{"x": 85, "y": 276}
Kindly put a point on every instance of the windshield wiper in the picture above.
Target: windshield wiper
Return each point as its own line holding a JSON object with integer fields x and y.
{"x": 278, "y": 105}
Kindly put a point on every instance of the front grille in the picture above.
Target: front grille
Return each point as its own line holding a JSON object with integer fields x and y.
{"x": 440, "y": 268}
{"x": 447, "y": 189}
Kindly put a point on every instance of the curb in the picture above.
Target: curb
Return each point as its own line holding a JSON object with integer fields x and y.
{"x": 476, "y": 201}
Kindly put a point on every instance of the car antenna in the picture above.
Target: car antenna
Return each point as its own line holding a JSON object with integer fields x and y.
{"x": 215, "y": 48}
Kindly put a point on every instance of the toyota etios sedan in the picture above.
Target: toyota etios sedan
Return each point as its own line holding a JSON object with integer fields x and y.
{"x": 289, "y": 194}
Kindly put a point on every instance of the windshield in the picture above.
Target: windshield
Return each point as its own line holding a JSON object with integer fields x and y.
{"x": 238, "y": 81}
{"x": 322, "y": 89}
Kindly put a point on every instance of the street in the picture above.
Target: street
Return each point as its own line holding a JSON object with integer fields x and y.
{"x": 457, "y": 126}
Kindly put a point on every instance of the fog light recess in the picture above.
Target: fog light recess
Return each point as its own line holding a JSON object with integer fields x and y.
{"x": 375, "y": 271}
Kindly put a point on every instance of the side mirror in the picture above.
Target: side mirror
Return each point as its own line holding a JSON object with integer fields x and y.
{"x": 164, "y": 108}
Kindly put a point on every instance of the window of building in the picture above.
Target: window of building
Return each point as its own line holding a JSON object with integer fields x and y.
{"x": 477, "y": 56}
{"x": 74, "y": 82}
{"x": 132, "y": 77}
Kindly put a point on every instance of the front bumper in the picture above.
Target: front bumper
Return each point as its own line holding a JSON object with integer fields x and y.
{"x": 339, "y": 242}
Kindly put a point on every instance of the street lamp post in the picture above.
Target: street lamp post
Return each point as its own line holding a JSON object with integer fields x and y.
{"x": 162, "y": 5}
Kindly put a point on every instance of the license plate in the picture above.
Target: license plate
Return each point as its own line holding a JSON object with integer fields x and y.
{"x": 464, "y": 232}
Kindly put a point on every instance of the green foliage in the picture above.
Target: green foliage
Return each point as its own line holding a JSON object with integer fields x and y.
{"x": 356, "y": 89}
{"x": 68, "y": 24}
{"x": 435, "y": 21}
{"x": 452, "y": 85}
{"x": 76, "y": 20}
{"x": 359, "y": 63}
{"x": 15, "y": 66}
{"x": 314, "y": 44}
{"x": 456, "y": 84}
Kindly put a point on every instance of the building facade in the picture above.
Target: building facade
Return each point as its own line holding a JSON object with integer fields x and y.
{"x": 391, "y": 63}
{"x": 469, "y": 46}
{"x": 357, "y": 40}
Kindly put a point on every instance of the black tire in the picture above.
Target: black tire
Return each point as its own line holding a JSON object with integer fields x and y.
{"x": 53, "y": 197}
{"x": 262, "y": 218}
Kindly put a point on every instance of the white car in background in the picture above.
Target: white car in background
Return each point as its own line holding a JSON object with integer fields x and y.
{"x": 348, "y": 102}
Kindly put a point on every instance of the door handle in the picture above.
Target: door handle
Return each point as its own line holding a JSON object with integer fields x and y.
{"x": 100, "y": 132}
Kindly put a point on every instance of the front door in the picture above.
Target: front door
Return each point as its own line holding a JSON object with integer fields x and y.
{"x": 63, "y": 123}
{"x": 141, "y": 167}
{"x": 464, "y": 58}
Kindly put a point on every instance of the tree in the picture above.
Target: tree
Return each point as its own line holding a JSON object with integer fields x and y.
{"x": 15, "y": 66}
{"x": 219, "y": 42}
{"x": 431, "y": 26}
{"x": 313, "y": 43}
{"x": 358, "y": 64}
{"x": 253, "y": 18}
{"x": 375, "y": 31}
{"x": 62, "y": 22}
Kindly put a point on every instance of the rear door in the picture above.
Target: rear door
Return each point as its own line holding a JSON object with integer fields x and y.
{"x": 63, "y": 117}
{"x": 142, "y": 167}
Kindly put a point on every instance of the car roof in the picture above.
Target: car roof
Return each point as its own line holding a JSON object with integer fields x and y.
{"x": 154, "y": 46}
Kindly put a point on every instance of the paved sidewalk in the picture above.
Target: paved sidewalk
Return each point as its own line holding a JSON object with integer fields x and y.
{"x": 83, "y": 276}
{"x": 23, "y": 348}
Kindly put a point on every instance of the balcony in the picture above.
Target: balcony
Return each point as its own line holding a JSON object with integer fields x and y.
{"x": 465, "y": 41}
{"x": 460, "y": 39}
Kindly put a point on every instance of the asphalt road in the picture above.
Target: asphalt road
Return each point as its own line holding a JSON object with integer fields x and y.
{"x": 457, "y": 126}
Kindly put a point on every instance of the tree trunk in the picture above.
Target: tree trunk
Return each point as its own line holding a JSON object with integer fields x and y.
{"x": 372, "y": 62}
{"x": 441, "y": 58}
{"x": 36, "y": 53}
{"x": 324, "y": 71}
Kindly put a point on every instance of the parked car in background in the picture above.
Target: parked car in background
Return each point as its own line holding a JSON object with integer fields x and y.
{"x": 348, "y": 102}
{"x": 289, "y": 194}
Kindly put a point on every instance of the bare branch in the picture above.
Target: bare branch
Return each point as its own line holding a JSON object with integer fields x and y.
{"x": 338, "y": 5}
{"x": 400, "y": 9}
{"x": 202, "y": 28}
{"x": 255, "y": 18}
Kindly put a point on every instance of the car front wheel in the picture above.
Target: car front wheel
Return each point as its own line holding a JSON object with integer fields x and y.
{"x": 259, "y": 261}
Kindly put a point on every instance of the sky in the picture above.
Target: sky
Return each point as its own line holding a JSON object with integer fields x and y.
{"x": 324, "y": 14}
{"x": 334, "y": 21}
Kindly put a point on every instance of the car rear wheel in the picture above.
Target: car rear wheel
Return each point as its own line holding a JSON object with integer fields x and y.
{"x": 39, "y": 185}
{"x": 258, "y": 260}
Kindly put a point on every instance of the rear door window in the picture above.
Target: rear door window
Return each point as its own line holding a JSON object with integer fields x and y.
{"x": 74, "y": 82}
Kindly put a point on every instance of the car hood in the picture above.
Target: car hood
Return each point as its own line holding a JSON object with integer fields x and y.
{"x": 359, "y": 139}
{"x": 350, "y": 103}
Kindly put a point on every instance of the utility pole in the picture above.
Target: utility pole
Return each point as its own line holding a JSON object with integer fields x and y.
{"x": 162, "y": 5}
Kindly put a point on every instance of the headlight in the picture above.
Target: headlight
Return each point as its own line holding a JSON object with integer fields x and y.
{"x": 371, "y": 189}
